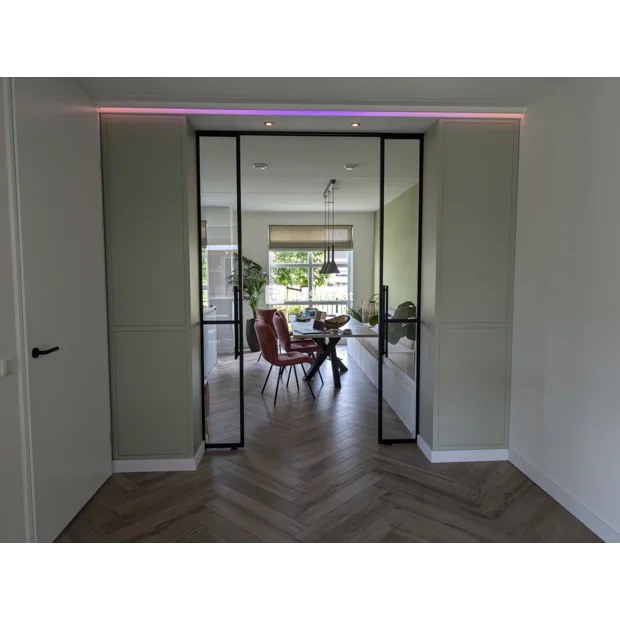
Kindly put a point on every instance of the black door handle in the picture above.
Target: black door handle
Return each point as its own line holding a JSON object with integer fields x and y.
{"x": 235, "y": 317}
{"x": 37, "y": 352}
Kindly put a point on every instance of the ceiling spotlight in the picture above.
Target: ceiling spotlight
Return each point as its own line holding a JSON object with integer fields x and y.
{"x": 355, "y": 124}
{"x": 351, "y": 167}
{"x": 268, "y": 123}
{"x": 259, "y": 166}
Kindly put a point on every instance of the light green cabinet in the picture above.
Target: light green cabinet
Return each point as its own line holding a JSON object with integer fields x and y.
{"x": 152, "y": 261}
{"x": 470, "y": 181}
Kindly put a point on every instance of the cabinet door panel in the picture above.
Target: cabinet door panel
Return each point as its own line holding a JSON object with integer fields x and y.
{"x": 472, "y": 386}
{"x": 151, "y": 393}
{"x": 145, "y": 219}
{"x": 478, "y": 194}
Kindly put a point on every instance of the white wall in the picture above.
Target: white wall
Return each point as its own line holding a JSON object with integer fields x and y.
{"x": 565, "y": 414}
{"x": 256, "y": 234}
{"x": 12, "y": 514}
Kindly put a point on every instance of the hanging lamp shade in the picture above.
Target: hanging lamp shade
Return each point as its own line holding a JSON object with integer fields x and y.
{"x": 331, "y": 266}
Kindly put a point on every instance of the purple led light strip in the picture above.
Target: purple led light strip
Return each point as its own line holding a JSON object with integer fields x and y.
{"x": 349, "y": 113}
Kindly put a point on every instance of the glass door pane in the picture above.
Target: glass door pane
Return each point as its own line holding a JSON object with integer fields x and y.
{"x": 399, "y": 277}
{"x": 221, "y": 291}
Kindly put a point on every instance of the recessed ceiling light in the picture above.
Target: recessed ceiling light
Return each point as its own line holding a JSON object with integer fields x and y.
{"x": 350, "y": 167}
{"x": 355, "y": 124}
{"x": 260, "y": 166}
{"x": 268, "y": 123}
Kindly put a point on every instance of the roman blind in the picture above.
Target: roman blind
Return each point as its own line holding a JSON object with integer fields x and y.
{"x": 309, "y": 237}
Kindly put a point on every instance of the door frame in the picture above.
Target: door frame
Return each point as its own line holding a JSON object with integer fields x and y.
{"x": 20, "y": 364}
{"x": 383, "y": 320}
{"x": 239, "y": 321}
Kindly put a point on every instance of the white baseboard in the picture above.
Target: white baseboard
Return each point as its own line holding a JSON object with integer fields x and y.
{"x": 199, "y": 454}
{"x": 565, "y": 499}
{"x": 154, "y": 465}
{"x": 461, "y": 456}
{"x": 426, "y": 450}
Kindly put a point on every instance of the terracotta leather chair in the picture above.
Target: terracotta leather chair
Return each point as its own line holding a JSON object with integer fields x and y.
{"x": 264, "y": 316}
{"x": 283, "y": 316}
{"x": 306, "y": 346}
{"x": 269, "y": 349}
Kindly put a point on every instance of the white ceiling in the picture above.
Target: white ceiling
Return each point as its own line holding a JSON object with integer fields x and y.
{"x": 476, "y": 92}
{"x": 338, "y": 124}
{"x": 299, "y": 169}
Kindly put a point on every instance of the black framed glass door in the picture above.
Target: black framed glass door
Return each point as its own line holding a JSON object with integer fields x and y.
{"x": 221, "y": 289}
{"x": 400, "y": 220}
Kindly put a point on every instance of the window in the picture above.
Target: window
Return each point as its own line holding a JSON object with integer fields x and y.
{"x": 296, "y": 281}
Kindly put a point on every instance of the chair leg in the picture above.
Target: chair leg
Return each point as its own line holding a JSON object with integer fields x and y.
{"x": 308, "y": 382}
{"x": 289, "y": 375}
{"x": 296, "y": 380}
{"x": 259, "y": 356}
{"x": 278, "y": 385}
{"x": 267, "y": 379}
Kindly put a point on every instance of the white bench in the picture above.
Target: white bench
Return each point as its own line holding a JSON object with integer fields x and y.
{"x": 399, "y": 386}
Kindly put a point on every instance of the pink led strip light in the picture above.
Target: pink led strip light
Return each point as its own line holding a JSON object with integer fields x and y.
{"x": 347, "y": 113}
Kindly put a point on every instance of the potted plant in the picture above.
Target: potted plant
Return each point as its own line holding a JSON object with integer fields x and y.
{"x": 365, "y": 313}
{"x": 368, "y": 313}
{"x": 255, "y": 279}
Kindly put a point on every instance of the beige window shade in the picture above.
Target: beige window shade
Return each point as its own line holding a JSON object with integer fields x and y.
{"x": 309, "y": 237}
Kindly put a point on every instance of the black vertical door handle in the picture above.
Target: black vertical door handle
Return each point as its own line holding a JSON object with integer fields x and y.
{"x": 36, "y": 352}
{"x": 236, "y": 318}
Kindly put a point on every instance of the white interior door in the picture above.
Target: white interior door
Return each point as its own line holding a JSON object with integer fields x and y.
{"x": 60, "y": 211}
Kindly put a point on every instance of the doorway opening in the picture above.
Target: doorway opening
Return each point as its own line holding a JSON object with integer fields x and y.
{"x": 261, "y": 213}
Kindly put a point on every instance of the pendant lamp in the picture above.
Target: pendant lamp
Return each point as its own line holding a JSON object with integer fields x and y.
{"x": 331, "y": 265}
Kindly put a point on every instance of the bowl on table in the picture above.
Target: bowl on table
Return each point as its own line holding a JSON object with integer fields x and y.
{"x": 337, "y": 322}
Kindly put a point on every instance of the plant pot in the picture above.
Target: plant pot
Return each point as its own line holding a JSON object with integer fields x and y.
{"x": 250, "y": 335}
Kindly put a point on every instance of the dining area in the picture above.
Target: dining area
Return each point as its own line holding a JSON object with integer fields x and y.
{"x": 309, "y": 340}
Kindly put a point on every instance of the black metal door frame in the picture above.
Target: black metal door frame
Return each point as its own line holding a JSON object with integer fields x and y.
{"x": 384, "y": 320}
{"x": 238, "y": 321}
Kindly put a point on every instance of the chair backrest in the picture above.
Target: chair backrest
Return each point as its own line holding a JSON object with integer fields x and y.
{"x": 281, "y": 328}
{"x": 265, "y": 316}
{"x": 282, "y": 315}
{"x": 267, "y": 341}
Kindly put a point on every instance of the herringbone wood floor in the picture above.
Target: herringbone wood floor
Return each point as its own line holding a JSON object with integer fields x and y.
{"x": 313, "y": 471}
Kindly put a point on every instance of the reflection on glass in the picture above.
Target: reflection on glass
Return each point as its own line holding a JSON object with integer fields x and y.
{"x": 218, "y": 196}
{"x": 400, "y": 221}
{"x": 400, "y": 276}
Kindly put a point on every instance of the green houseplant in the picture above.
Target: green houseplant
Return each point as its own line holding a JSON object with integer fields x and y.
{"x": 395, "y": 331}
{"x": 255, "y": 280}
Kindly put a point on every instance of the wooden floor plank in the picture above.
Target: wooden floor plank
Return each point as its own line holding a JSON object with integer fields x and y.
{"x": 258, "y": 509}
{"x": 334, "y": 500}
{"x": 262, "y": 529}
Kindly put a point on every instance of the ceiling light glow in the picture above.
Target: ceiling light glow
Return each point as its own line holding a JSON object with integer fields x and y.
{"x": 340, "y": 113}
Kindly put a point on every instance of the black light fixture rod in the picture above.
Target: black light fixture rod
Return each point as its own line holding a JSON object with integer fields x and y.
{"x": 329, "y": 187}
